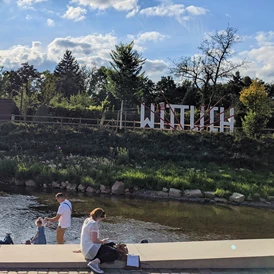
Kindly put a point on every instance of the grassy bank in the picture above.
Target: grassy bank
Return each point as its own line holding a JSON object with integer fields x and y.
{"x": 149, "y": 160}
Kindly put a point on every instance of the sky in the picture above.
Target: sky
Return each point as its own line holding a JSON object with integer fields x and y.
{"x": 39, "y": 31}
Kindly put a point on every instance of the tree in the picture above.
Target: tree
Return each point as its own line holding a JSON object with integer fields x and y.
{"x": 98, "y": 88}
{"x": 13, "y": 83}
{"x": 28, "y": 76}
{"x": 212, "y": 64}
{"x": 3, "y": 83}
{"x": 149, "y": 92}
{"x": 167, "y": 89}
{"x": 258, "y": 104}
{"x": 47, "y": 87}
{"x": 126, "y": 77}
{"x": 70, "y": 80}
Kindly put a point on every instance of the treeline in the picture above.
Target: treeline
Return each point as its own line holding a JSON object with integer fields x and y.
{"x": 208, "y": 78}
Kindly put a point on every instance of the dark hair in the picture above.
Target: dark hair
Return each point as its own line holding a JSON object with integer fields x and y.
{"x": 97, "y": 213}
{"x": 39, "y": 222}
{"x": 59, "y": 195}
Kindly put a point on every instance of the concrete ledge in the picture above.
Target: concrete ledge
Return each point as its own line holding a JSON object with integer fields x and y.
{"x": 187, "y": 255}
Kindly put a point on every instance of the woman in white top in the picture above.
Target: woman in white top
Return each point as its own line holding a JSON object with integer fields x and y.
{"x": 96, "y": 251}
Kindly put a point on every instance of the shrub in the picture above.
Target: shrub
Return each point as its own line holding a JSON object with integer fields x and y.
{"x": 7, "y": 168}
{"x": 222, "y": 193}
{"x": 87, "y": 181}
{"x": 122, "y": 157}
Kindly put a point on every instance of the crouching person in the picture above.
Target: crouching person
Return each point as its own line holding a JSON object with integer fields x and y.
{"x": 40, "y": 237}
{"x": 96, "y": 251}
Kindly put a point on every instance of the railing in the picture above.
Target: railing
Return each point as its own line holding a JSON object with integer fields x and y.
{"x": 96, "y": 123}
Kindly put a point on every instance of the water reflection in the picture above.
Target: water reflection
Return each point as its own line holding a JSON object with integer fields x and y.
{"x": 131, "y": 220}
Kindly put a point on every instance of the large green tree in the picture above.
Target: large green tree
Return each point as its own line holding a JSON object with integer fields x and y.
{"x": 126, "y": 77}
{"x": 70, "y": 80}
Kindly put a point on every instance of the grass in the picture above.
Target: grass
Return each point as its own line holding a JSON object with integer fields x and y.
{"x": 149, "y": 160}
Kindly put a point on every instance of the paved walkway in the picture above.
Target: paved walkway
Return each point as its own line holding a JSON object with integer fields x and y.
{"x": 152, "y": 271}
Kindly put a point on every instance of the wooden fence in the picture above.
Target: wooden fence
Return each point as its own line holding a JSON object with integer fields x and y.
{"x": 97, "y": 123}
{"x": 88, "y": 122}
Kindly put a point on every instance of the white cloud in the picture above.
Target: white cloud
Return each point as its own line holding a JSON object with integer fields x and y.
{"x": 122, "y": 5}
{"x": 87, "y": 49}
{"x": 196, "y": 10}
{"x": 50, "y": 22}
{"x": 178, "y": 11}
{"x": 28, "y": 3}
{"x": 75, "y": 14}
{"x": 151, "y": 36}
{"x": 28, "y": 17}
{"x": 261, "y": 57}
{"x": 16, "y": 55}
{"x": 164, "y": 10}
{"x": 133, "y": 12}
{"x": 155, "y": 69}
{"x": 141, "y": 39}
{"x": 265, "y": 39}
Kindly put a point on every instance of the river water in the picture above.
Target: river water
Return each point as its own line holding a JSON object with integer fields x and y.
{"x": 131, "y": 220}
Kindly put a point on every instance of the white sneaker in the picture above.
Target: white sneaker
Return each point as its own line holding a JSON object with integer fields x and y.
{"x": 95, "y": 267}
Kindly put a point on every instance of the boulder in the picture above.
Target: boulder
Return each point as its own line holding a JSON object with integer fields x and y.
{"x": 270, "y": 198}
{"x": 193, "y": 193}
{"x": 165, "y": 189}
{"x": 127, "y": 191}
{"x": 90, "y": 189}
{"x": 220, "y": 200}
{"x": 209, "y": 194}
{"x": 81, "y": 188}
{"x": 45, "y": 186}
{"x": 162, "y": 193}
{"x": 30, "y": 183}
{"x": 173, "y": 192}
{"x": 118, "y": 188}
{"x": 71, "y": 186}
{"x": 237, "y": 197}
{"x": 104, "y": 189}
{"x": 55, "y": 184}
{"x": 19, "y": 182}
{"x": 64, "y": 184}
{"x": 249, "y": 198}
{"x": 263, "y": 200}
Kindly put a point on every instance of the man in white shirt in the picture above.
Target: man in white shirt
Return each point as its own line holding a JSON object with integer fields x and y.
{"x": 63, "y": 217}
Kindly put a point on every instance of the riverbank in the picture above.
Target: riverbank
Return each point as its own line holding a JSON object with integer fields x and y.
{"x": 118, "y": 189}
{"x": 184, "y": 165}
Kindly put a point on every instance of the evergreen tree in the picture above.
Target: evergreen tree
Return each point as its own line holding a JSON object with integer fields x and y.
{"x": 125, "y": 80}
{"x": 70, "y": 80}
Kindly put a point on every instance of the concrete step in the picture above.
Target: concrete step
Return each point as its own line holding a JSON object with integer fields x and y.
{"x": 187, "y": 255}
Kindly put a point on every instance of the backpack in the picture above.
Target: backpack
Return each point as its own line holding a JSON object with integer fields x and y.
{"x": 7, "y": 240}
{"x": 122, "y": 251}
